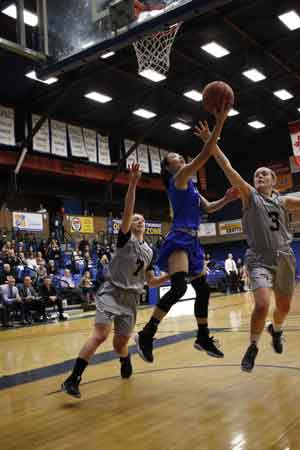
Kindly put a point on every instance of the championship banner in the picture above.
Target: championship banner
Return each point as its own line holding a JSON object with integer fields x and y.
{"x": 163, "y": 153}
{"x": 59, "y": 138}
{"x": 294, "y": 167}
{"x": 230, "y": 227}
{"x": 28, "y": 221}
{"x": 294, "y": 128}
{"x": 151, "y": 228}
{"x": 7, "y": 126}
{"x": 41, "y": 140}
{"x": 90, "y": 142}
{"x": 76, "y": 142}
{"x": 143, "y": 158}
{"x": 207, "y": 229}
{"x": 103, "y": 150}
{"x": 81, "y": 224}
{"x": 202, "y": 178}
{"x": 133, "y": 157}
{"x": 155, "y": 160}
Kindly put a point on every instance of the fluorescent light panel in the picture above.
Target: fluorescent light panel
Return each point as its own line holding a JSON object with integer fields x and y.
{"x": 97, "y": 97}
{"x": 29, "y": 18}
{"x": 215, "y": 49}
{"x": 194, "y": 95}
{"x": 233, "y": 112}
{"x": 107, "y": 55}
{"x": 152, "y": 75}
{"x": 32, "y": 76}
{"x": 256, "y": 124}
{"x": 145, "y": 113}
{"x": 180, "y": 126}
{"x": 291, "y": 20}
{"x": 283, "y": 94}
{"x": 254, "y": 75}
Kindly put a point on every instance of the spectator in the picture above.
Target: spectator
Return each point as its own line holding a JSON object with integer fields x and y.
{"x": 43, "y": 248}
{"x": 86, "y": 284}
{"x": 50, "y": 297}
{"x": 51, "y": 268}
{"x": 12, "y": 299}
{"x": 42, "y": 209}
{"x": 39, "y": 259}
{"x": 54, "y": 251}
{"x": 11, "y": 258}
{"x": 241, "y": 275}
{"x": 83, "y": 243}
{"x": 31, "y": 262}
{"x": 4, "y": 314}
{"x": 68, "y": 288}
{"x": 232, "y": 273}
{"x": 31, "y": 300}
{"x": 88, "y": 262}
{"x": 7, "y": 272}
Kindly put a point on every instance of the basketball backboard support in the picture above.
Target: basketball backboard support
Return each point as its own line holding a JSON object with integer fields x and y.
{"x": 80, "y": 32}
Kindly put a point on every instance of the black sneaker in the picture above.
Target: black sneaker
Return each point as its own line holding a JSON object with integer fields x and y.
{"x": 144, "y": 345}
{"x": 71, "y": 387}
{"x": 248, "y": 360}
{"x": 276, "y": 338}
{"x": 126, "y": 367}
{"x": 209, "y": 345}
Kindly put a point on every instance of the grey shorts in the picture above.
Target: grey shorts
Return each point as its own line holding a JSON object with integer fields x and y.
{"x": 116, "y": 305}
{"x": 280, "y": 277}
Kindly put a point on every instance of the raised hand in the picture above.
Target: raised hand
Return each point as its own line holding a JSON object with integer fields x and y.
{"x": 232, "y": 194}
{"x": 135, "y": 172}
{"x": 202, "y": 131}
{"x": 222, "y": 112}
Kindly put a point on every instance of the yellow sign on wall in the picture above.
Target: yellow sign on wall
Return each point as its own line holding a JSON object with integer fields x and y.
{"x": 230, "y": 227}
{"x": 81, "y": 224}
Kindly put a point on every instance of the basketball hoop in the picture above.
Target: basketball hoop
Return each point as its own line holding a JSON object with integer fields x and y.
{"x": 153, "y": 51}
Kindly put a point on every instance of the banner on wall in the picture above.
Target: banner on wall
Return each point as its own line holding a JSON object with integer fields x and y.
{"x": 59, "y": 138}
{"x": 76, "y": 142}
{"x": 103, "y": 150}
{"x": 207, "y": 229}
{"x": 294, "y": 167}
{"x": 230, "y": 227}
{"x": 28, "y": 221}
{"x": 41, "y": 140}
{"x": 294, "y": 128}
{"x": 7, "y": 126}
{"x": 163, "y": 153}
{"x": 155, "y": 160}
{"x": 133, "y": 157}
{"x": 151, "y": 228}
{"x": 143, "y": 158}
{"x": 81, "y": 224}
{"x": 90, "y": 142}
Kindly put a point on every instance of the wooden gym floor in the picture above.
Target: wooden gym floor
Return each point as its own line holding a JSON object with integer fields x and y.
{"x": 186, "y": 400}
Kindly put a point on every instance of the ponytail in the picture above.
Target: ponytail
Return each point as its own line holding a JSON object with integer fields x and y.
{"x": 165, "y": 174}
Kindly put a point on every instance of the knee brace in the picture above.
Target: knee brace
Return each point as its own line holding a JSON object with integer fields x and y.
{"x": 178, "y": 289}
{"x": 202, "y": 297}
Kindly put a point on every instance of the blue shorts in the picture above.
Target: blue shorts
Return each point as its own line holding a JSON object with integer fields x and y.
{"x": 178, "y": 240}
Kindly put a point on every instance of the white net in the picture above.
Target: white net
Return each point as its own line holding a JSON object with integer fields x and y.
{"x": 153, "y": 52}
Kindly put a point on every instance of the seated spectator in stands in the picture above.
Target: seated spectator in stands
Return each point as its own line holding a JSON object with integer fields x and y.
{"x": 50, "y": 297}
{"x": 32, "y": 243}
{"x": 11, "y": 298}
{"x": 11, "y": 258}
{"x": 31, "y": 261}
{"x": 82, "y": 244}
{"x": 31, "y": 300}
{"x": 42, "y": 274}
{"x": 54, "y": 252}
{"x": 21, "y": 259}
{"x": 39, "y": 259}
{"x": 7, "y": 272}
{"x": 51, "y": 268}
{"x": 69, "y": 290}
{"x": 43, "y": 248}
{"x": 86, "y": 284}
{"x": 232, "y": 273}
{"x": 88, "y": 262}
{"x": 77, "y": 261}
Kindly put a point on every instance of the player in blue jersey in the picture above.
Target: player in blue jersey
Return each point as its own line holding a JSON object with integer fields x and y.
{"x": 181, "y": 254}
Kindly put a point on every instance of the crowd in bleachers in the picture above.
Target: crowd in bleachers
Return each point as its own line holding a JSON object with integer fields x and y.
{"x": 38, "y": 275}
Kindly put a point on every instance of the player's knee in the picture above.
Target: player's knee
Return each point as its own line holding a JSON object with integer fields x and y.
{"x": 262, "y": 308}
{"x": 178, "y": 289}
{"x": 100, "y": 337}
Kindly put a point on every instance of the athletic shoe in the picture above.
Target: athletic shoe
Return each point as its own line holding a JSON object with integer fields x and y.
{"x": 126, "y": 367}
{"x": 62, "y": 318}
{"x": 71, "y": 387}
{"x": 276, "y": 338}
{"x": 248, "y": 360}
{"x": 209, "y": 344}
{"x": 144, "y": 345}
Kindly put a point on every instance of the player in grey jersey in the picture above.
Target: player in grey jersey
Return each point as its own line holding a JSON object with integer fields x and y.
{"x": 270, "y": 260}
{"x": 116, "y": 301}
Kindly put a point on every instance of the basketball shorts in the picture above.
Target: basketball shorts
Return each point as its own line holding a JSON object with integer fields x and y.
{"x": 179, "y": 240}
{"x": 116, "y": 305}
{"x": 280, "y": 276}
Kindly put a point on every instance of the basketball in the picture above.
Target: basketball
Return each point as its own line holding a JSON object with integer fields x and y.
{"x": 215, "y": 93}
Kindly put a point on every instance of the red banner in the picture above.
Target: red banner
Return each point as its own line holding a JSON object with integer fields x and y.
{"x": 294, "y": 128}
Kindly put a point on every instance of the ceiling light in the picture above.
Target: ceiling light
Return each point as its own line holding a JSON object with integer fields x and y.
{"x": 29, "y": 18}
{"x": 152, "y": 75}
{"x": 215, "y": 49}
{"x": 107, "y": 55}
{"x": 180, "y": 126}
{"x": 254, "y": 75}
{"x": 97, "y": 97}
{"x": 299, "y": 109}
{"x": 32, "y": 76}
{"x": 233, "y": 112}
{"x": 194, "y": 95}
{"x": 283, "y": 94}
{"x": 145, "y": 113}
{"x": 88, "y": 44}
{"x": 256, "y": 124}
{"x": 290, "y": 19}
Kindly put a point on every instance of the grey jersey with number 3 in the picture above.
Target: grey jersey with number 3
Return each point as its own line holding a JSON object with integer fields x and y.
{"x": 266, "y": 223}
{"x": 130, "y": 261}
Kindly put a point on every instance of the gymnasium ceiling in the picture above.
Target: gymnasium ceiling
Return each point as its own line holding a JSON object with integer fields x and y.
{"x": 255, "y": 37}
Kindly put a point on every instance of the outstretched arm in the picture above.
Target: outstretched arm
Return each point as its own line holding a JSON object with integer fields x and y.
{"x": 135, "y": 175}
{"x": 231, "y": 195}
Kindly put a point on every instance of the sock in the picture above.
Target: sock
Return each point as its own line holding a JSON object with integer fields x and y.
{"x": 124, "y": 358}
{"x": 254, "y": 338}
{"x": 277, "y": 327}
{"x": 151, "y": 327}
{"x": 203, "y": 329}
{"x": 78, "y": 369}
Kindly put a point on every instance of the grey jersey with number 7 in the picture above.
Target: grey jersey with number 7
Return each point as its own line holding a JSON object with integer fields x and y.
{"x": 266, "y": 223}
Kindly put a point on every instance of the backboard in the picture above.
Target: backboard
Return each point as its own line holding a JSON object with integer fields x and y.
{"x": 81, "y": 31}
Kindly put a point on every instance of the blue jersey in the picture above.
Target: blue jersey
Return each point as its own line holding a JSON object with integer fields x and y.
{"x": 185, "y": 204}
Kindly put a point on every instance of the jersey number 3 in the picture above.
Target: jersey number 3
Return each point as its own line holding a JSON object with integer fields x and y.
{"x": 140, "y": 265}
{"x": 274, "y": 217}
